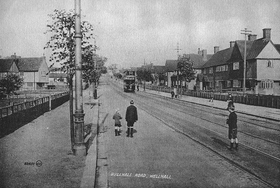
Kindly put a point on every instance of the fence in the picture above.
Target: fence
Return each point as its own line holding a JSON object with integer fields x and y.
{"x": 14, "y": 116}
{"x": 270, "y": 101}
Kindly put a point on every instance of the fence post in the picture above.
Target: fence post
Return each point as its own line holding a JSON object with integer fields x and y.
{"x": 50, "y": 102}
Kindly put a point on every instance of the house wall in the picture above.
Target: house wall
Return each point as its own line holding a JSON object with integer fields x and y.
{"x": 30, "y": 79}
{"x": 265, "y": 72}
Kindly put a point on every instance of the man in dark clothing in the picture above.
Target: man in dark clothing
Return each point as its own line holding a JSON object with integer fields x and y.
{"x": 131, "y": 117}
{"x": 232, "y": 129}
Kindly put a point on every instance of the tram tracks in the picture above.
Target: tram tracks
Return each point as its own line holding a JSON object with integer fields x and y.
{"x": 257, "y": 163}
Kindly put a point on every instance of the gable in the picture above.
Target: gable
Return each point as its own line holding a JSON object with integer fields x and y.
{"x": 269, "y": 52}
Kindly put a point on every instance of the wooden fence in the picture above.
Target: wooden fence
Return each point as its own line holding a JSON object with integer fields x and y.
{"x": 270, "y": 101}
{"x": 14, "y": 116}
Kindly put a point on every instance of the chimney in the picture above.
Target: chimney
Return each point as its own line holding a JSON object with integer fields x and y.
{"x": 204, "y": 55}
{"x": 252, "y": 37}
{"x": 266, "y": 33}
{"x": 216, "y": 49}
{"x": 199, "y": 51}
{"x": 231, "y": 44}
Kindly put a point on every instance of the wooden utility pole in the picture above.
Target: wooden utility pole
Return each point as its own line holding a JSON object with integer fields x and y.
{"x": 79, "y": 145}
{"x": 245, "y": 32}
{"x": 177, "y": 84}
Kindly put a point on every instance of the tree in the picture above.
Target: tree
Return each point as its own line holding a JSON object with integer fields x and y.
{"x": 185, "y": 69}
{"x": 144, "y": 75}
{"x": 62, "y": 45}
{"x": 11, "y": 83}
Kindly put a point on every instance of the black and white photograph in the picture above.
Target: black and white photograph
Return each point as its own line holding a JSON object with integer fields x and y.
{"x": 139, "y": 94}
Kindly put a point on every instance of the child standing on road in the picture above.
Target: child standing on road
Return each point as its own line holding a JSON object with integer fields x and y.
{"x": 117, "y": 117}
{"x": 232, "y": 129}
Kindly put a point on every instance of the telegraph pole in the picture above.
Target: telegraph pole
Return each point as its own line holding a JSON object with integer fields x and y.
{"x": 178, "y": 53}
{"x": 79, "y": 145}
{"x": 245, "y": 32}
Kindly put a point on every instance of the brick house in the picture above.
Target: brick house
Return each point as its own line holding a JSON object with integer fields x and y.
{"x": 225, "y": 69}
{"x": 263, "y": 64}
{"x": 215, "y": 71}
{"x": 34, "y": 71}
{"x": 198, "y": 60}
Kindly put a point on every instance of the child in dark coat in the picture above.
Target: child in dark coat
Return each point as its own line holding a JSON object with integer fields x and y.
{"x": 232, "y": 127}
{"x": 117, "y": 117}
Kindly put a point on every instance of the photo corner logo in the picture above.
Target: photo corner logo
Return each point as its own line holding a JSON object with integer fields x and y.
{"x": 38, "y": 163}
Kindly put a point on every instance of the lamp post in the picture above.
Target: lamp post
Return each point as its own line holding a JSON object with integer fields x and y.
{"x": 95, "y": 71}
{"x": 79, "y": 147}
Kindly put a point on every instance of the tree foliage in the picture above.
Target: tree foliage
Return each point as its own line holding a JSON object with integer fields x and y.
{"x": 144, "y": 75}
{"x": 62, "y": 41}
{"x": 185, "y": 68}
{"x": 11, "y": 83}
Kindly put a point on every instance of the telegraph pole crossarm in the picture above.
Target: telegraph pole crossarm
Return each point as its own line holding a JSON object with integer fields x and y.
{"x": 245, "y": 32}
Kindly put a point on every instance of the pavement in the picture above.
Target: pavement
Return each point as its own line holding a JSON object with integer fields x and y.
{"x": 257, "y": 111}
{"x": 88, "y": 170}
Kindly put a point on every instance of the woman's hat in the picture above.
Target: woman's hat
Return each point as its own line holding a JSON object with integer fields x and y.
{"x": 131, "y": 102}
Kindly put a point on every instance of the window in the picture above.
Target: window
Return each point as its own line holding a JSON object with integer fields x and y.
{"x": 228, "y": 83}
{"x": 226, "y": 67}
{"x": 269, "y": 63}
{"x": 29, "y": 84}
{"x": 204, "y": 71}
{"x": 266, "y": 84}
{"x": 235, "y": 65}
{"x": 236, "y": 83}
{"x": 211, "y": 70}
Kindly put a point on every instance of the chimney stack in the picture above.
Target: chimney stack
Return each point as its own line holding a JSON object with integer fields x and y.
{"x": 199, "y": 51}
{"x": 204, "y": 55}
{"x": 216, "y": 49}
{"x": 252, "y": 37}
{"x": 267, "y": 33}
{"x": 231, "y": 44}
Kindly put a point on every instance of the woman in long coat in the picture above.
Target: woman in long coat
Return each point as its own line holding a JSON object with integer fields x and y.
{"x": 131, "y": 117}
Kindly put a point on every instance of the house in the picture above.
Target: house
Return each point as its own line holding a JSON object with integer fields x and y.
{"x": 262, "y": 67}
{"x": 158, "y": 72}
{"x": 34, "y": 71}
{"x": 215, "y": 73}
{"x": 198, "y": 61}
{"x": 57, "y": 76}
{"x": 225, "y": 69}
{"x": 8, "y": 66}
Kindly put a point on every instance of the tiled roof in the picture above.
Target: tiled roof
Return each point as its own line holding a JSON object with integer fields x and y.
{"x": 277, "y": 46}
{"x": 29, "y": 64}
{"x": 171, "y": 65}
{"x": 158, "y": 68}
{"x": 5, "y": 64}
{"x": 198, "y": 60}
{"x": 219, "y": 58}
{"x": 256, "y": 48}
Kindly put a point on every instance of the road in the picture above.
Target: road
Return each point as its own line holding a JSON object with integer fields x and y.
{"x": 173, "y": 148}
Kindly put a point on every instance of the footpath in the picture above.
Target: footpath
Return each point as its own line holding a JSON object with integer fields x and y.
{"x": 39, "y": 153}
{"x": 257, "y": 111}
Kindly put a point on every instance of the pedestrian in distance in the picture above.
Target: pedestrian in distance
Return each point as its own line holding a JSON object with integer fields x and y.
{"x": 117, "y": 117}
{"x": 232, "y": 127}
{"x": 175, "y": 92}
{"x": 137, "y": 87}
{"x": 172, "y": 94}
{"x": 131, "y": 117}
{"x": 230, "y": 100}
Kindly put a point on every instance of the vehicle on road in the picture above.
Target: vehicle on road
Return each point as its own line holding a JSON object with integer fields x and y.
{"x": 129, "y": 80}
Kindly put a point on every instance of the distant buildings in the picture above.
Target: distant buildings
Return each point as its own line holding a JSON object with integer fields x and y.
{"x": 224, "y": 70}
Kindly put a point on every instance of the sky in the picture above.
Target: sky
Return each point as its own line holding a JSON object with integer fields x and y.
{"x": 131, "y": 32}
